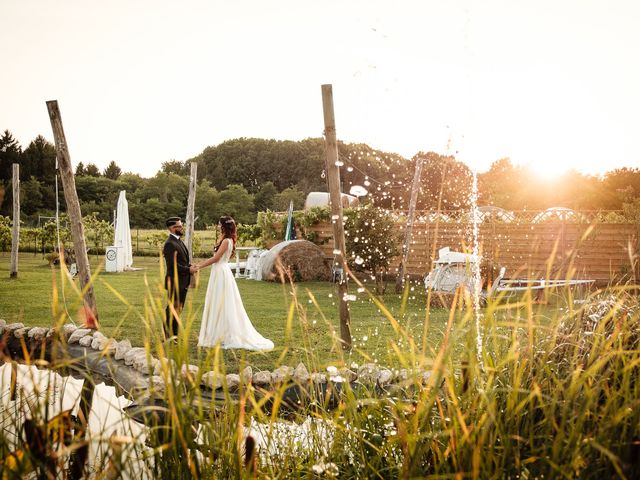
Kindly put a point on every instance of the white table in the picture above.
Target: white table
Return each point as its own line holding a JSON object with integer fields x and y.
{"x": 246, "y": 249}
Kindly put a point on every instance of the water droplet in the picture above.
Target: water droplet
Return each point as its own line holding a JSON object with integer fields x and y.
{"x": 339, "y": 163}
{"x": 359, "y": 260}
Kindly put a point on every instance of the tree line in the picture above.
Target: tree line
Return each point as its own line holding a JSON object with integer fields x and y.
{"x": 243, "y": 176}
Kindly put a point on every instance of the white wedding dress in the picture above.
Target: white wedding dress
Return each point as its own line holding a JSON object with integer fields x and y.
{"x": 224, "y": 319}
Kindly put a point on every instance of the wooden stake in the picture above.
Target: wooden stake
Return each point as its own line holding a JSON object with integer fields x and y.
{"x": 75, "y": 217}
{"x": 409, "y": 227}
{"x": 333, "y": 182}
{"x": 191, "y": 204}
{"x": 15, "y": 234}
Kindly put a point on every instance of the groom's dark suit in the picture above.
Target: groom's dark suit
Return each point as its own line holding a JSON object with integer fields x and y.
{"x": 176, "y": 280}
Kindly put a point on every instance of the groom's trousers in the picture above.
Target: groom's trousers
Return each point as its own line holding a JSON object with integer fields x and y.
{"x": 177, "y": 297}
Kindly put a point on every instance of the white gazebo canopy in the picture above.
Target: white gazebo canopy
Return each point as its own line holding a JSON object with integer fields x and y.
{"x": 123, "y": 235}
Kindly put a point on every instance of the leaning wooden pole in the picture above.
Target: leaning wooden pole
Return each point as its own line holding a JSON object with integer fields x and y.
{"x": 15, "y": 234}
{"x": 402, "y": 271}
{"x": 75, "y": 217}
{"x": 333, "y": 182}
{"x": 191, "y": 206}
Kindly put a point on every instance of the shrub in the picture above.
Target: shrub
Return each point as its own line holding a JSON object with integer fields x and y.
{"x": 371, "y": 241}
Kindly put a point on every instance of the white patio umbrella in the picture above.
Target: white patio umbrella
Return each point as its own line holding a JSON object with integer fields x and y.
{"x": 123, "y": 234}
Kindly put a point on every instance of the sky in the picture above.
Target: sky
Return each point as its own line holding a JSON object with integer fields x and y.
{"x": 553, "y": 84}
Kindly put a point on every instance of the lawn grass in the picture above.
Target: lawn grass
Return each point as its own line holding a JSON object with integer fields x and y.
{"x": 125, "y": 300}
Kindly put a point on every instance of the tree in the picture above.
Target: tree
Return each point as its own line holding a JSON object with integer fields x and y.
{"x": 92, "y": 170}
{"x": 10, "y": 153}
{"x": 30, "y": 196}
{"x": 282, "y": 200}
{"x": 176, "y": 167}
{"x": 501, "y": 185}
{"x": 264, "y": 197}
{"x": 113, "y": 171}
{"x": 207, "y": 198}
{"x": 445, "y": 184}
{"x": 40, "y": 161}
{"x": 237, "y": 202}
{"x": 619, "y": 186}
{"x": 80, "y": 170}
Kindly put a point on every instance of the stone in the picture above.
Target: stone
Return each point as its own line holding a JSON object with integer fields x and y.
{"x": 189, "y": 370}
{"x": 21, "y": 332}
{"x": 347, "y": 374}
{"x": 280, "y": 374}
{"x": 156, "y": 383}
{"x": 12, "y": 327}
{"x": 385, "y": 376}
{"x": 38, "y": 333}
{"x": 300, "y": 373}
{"x": 103, "y": 344}
{"x": 67, "y": 330}
{"x": 122, "y": 347}
{"x": 424, "y": 377}
{"x": 145, "y": 365}
{"x": 262, "y": 378}
{"x": 368, "y": 374}
{"x": 247, "y": 374}
{"x": 130, "y": 355}
{"x": 86, "y": 340}
{"x": 78, "y": 333}
{"x": 108, "y": 346}
{"x": 318, "y": 378}
{"x": 233, "y": 381}
{"x": 164, "y": 364}
{"x": 402, "y": 375}
{"x": 212, "y": 379}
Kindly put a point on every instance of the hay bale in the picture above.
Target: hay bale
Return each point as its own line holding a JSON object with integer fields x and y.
{"x": 299, "y": 260}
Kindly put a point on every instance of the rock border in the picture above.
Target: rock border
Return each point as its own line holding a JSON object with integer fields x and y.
{"x": 149, "y": 370}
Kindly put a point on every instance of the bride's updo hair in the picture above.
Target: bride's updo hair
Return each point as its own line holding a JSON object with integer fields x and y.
{"x": 228, "y": 227}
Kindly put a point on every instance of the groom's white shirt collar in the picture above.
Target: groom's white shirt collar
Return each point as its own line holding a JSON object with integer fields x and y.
{"x": 175, "y": 236}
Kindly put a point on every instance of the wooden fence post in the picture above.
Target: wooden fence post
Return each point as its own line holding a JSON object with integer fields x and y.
{"x": 191, "y": 208}
{"x": 15, "y": 234}
{"x": 409, "y": 227}
{"x": 75, "y": 217}
{"x": 333, "y": 182}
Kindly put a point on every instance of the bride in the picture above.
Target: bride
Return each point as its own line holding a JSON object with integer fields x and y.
{"x": 224, "y": 319}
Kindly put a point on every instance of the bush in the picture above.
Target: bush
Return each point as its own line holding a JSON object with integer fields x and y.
{"x": 5, "y": 233}
{"x": 371, "y": 241}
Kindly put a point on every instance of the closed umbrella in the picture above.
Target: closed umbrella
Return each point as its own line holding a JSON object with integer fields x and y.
{"x": 123, "y": 234}
{"x": 290, "y": 234}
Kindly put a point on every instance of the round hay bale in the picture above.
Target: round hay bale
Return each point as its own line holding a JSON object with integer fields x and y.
{"x": 298, "y": 260}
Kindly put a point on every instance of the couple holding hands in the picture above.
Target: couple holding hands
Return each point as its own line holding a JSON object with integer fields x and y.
{"x": 224, "y": 319}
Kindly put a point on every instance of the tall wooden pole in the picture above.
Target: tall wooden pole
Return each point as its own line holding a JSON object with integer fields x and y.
{"x": 73, "y": 210}
{"x": 191, "y": 204}
{"x": 15, "y": 234}
{"x": 409, "y": 228}
{"x": 333, "y": 182}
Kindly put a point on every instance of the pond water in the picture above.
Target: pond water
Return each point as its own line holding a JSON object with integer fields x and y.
{"x": 28, "y": 392}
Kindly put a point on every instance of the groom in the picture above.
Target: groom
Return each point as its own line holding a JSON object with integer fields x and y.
{"x": 178, "y": 274}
